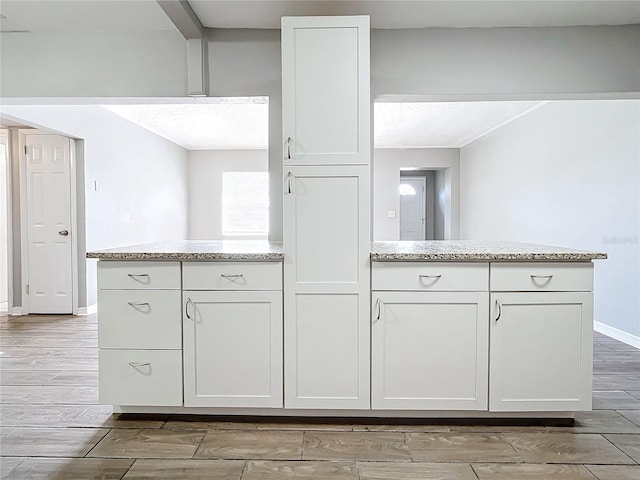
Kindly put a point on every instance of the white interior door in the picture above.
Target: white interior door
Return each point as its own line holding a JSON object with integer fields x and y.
{"x": 48, "y": 199}
{"x": 4, "y": 233}
{"x": 412, "y": 208}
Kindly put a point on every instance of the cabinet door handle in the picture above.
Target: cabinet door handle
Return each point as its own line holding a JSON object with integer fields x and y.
{"x": 378, "y": 308}
{"x": 140, "y": 364}
{"x": 289, "y": 149}
{"x": 239, "y": 275}
{"x": 499, "y": 305}
{"x": 289, "y": 175}
{"x": 138, "y": 304}
{"x": 186, "y": 308}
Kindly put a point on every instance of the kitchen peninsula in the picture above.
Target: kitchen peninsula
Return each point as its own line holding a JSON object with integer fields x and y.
{"x": 457, "y": 328}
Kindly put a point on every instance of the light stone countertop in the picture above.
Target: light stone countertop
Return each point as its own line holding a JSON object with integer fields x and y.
{"x": 476, "y": 250}
{"x": 239, "y": 250}
{"x": 425, "y": 251}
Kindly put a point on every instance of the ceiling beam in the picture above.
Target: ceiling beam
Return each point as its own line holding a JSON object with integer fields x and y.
{"x": 190, "y": 26}
{"x": 183, "y": 17}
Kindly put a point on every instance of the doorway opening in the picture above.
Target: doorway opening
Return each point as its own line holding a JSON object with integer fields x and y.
{"x": 422, "y": 204}
{"x": 4, "y": 221}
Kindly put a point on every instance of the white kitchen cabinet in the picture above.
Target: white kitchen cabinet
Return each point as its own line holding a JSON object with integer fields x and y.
{"x": 541, "y": 336}
{"x": 326, "y": 277}
{"x": 232, "y": 340}
{"x": 430, "y": 336}
{"x": 541, "y": 351}
{"x": 139, "y": 332}
{"x": 429, "y": 350}
{"x": 326, "y": 109}
{"x": 326, "y": 90}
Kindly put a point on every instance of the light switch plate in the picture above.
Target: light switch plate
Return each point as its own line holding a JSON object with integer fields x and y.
{"x": 391, "y": 214}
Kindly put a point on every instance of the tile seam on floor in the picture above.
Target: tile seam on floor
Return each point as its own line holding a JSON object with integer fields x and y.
{"x": 604, "y": 435}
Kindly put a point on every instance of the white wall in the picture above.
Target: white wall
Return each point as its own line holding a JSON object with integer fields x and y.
{"x": 547, "y": 61}
{"x": 205, "y": 186}
{"x": 100, "y": 64}
{"x": 143, "y": 179}
{"x": 536, "y": 63}
{"x": 567, "y": 174}
{"x": 387, "y": 163}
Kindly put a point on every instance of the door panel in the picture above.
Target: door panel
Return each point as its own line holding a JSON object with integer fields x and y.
{"x": 541, "y": 351}
{"x": 233, "y": 349}
{"x": 327, "y": 353}
{"x": 326, "y": 91}
{"x": 430, "y": 351}
{"x": 48, "y": 217}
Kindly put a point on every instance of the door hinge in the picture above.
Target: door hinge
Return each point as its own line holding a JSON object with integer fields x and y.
{"x": 27, "y": 289}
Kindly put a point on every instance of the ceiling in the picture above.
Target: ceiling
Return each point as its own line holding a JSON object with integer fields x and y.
{"x": 146, "y": 15}
{"x": 442, "y": 124}
{"x": 242, "y": 123}
{"x": 223, "y": 123}
{"x": 419, "y": 14}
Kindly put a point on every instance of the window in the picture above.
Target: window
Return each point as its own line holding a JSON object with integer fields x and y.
{"x": 245, "y": 203}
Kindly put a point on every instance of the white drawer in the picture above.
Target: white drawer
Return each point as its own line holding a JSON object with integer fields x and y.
{"x": 138, "y": 275}
{"x": 141, "y": 377}
{"x": 542, "y": 277}
{"x": 140, "y": 319}
{"x": 430, "y": 276}
{"x": 232, "y": 275}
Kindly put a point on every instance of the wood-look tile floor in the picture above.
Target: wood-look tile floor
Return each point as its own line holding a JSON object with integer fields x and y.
{"x": 52, "y": 427}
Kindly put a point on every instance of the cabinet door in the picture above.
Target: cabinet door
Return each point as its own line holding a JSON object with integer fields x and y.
{"x": 232, "y": 349}
{"x": 327, "y": 284}
{"x": 430, "y": 350}
{"x": 541, "y": 351}
{"x": 326, "y": 102}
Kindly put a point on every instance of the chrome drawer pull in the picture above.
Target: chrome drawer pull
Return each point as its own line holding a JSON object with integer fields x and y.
{"x": 548, "y": 277}
{"x": 133, "y": 275}
{"x": 186, "y": 307}
{"x": 232, "y": 276}
{"x": 139, "y": 364}
{"x": 138, "y": 304}
{"x": 379, "y": 308}
{"x": 430, "y": 276}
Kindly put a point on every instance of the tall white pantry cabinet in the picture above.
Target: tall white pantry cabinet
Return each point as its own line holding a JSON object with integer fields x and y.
{"x": 326, "y": 109}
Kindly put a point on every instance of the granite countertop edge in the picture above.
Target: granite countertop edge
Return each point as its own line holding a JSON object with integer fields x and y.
{"x": 185, "y": 256}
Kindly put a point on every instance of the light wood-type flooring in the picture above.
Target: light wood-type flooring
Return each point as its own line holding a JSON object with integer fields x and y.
{"x": 52, "y": 427}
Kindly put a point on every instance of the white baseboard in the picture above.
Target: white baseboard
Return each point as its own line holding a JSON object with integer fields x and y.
{"x": 620, "y": 335}
{"x": 17, "y": 311}
{"x": 88, "y": 310}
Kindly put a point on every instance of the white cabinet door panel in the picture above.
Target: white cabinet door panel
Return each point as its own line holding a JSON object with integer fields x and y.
{"x": 326, "y": 90}
{"x": 430, "y": 351}
{"x": 327, "y": 352}
{"x": 541, "y": 351}
{"x": 324, "y": 240}
{"x": 233, "y": 349}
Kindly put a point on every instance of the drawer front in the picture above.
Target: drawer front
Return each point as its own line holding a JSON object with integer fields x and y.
{"x": 138, "y": 275}
{"x": 542, "y": 277}
{"x": 141, "y": 377}
{"x": 430, "y": 276}
{"x": 232, "y": 275}
{"x": 140, "y": 319}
